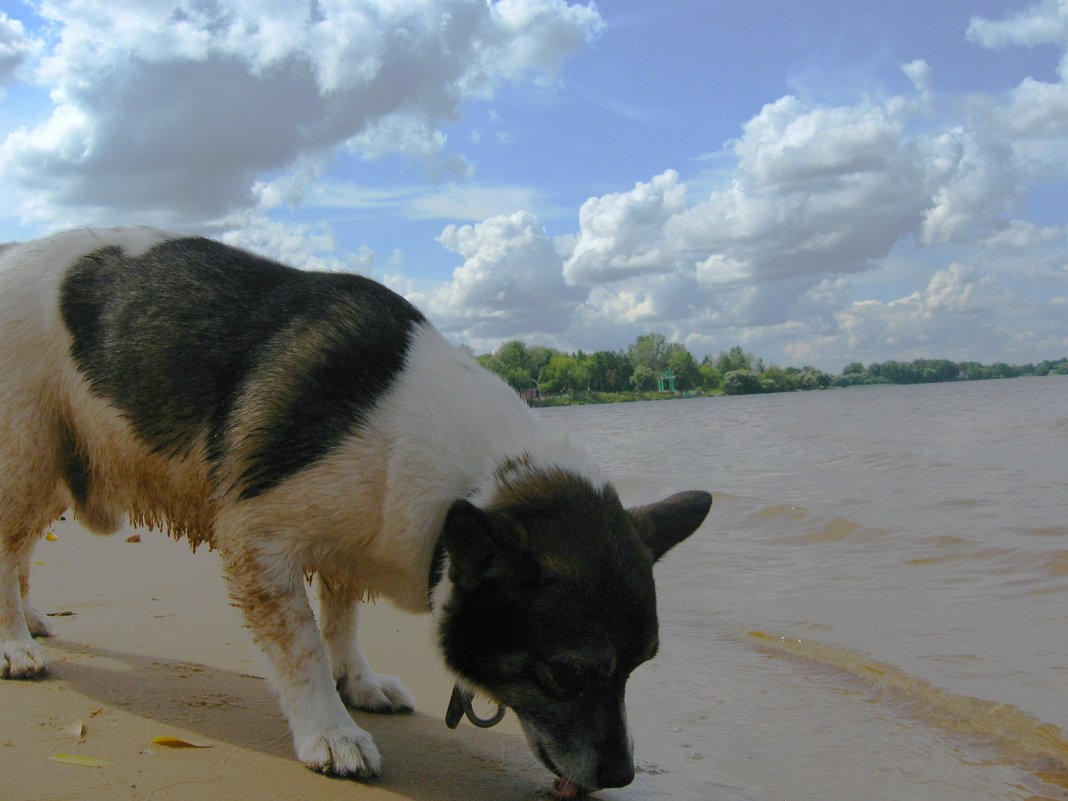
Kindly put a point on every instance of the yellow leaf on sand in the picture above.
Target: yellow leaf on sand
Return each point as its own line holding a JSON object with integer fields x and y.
{"x": 84, "y": 761}
{"x": 177, "y": 742}
{"x": 51, "y": 536}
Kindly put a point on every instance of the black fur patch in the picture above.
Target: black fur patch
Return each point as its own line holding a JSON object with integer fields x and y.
{"x": 564, "y": 611}
{"x": 171, "y": 338}
{"x": 553, "y": 605}
{"x": 75, "y": 470}
{"x": 555, "y": 543}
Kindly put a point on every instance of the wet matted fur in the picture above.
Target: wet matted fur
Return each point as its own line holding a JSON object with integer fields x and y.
{"x": 316, "y": 423}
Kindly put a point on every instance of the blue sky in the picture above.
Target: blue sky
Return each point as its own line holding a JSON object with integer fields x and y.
{"x": 819, "y": 182}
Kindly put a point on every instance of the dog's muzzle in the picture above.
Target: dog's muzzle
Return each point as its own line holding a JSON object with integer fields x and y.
{"x": 460, "y": 706}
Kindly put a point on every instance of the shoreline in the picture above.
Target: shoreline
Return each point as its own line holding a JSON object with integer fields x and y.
{"x": 594, "y": 398}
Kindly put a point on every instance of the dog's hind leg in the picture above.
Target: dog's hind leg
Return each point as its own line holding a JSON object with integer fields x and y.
{"x": 360, "y": 687}
{"x": 268, "y": 586}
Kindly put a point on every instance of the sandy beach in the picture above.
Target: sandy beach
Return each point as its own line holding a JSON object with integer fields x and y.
{"x": 148, "y": 646}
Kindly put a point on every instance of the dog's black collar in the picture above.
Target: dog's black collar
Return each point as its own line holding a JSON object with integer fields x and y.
{"x": 437, "y": 570}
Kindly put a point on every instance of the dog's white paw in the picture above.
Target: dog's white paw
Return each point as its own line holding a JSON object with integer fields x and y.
{"x": 375, "y": 693}
{"x": 22, "y": 659}
{"x": 342, "y": 752}
{"x": 37, "y": 622}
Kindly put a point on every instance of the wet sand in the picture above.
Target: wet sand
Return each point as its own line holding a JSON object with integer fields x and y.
{"x": 148, "y": 646}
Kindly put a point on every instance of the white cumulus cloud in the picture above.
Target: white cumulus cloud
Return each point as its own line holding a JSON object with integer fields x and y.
{"x": 176, "y": 108}
{"x": 622, "y": 234}
{"x": 818, "y": 193}
{"x": 955, "y": 309}
{"x": 510, "y": 282}
{"x": 16, "y": 48}
{"x": 817, "y": 190}
{"x": 1042, "y": 23}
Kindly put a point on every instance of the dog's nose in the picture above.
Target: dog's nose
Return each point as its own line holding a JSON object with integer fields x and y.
{"x": 615, "y": 772}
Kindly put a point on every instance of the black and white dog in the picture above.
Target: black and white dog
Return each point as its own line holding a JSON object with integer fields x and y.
{"x": 315, "y": 423}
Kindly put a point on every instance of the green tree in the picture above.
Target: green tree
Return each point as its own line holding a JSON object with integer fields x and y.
{"x": 1002, "y": 370}
{"x": 930, "y": 370}
{"x": 776, "y": 379}
{"x": 643, "y": 378}
{"x": 564, "y": 372}
{"x": 682, "y": 363}
{"x": 649, "y": 351}
{"x": 609, "y": 371}
{"x": 895, "y": 372}
{"x": 514, "y": 365}
{"x": 741, "y": 382}
{"x": 513, "y": 355}
{"x": 491, "y": 363}
{"x": 811, "y": 378}
{"x": 735, "y": 359}
{"x": 538, "y": 356}
{"x": 710, "y": 376}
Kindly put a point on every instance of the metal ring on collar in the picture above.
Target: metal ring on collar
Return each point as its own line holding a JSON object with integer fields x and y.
{"x": 460, "y": 706}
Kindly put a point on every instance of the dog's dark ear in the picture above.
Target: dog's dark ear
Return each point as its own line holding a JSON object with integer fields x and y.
{"x": 665, "y": 524}
{"x": 480, "y": 544}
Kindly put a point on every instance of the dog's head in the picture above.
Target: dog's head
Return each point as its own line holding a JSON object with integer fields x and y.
{"x": 552, "y": 605}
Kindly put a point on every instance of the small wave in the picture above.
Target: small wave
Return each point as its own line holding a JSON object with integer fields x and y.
{"x": 968, "y": 503}
{"x": 839, "y": 529}
{"x": 780, "y": 512}
{"x": 968, "y": 552}
{"x": 1056, "y": 564}
{"x": 1010, "y": 734}
{"x": 1024, "y": 567}
{"x": 945, "y": 541}
{"x": 1048, "y": 531}
{"x": 1058, "y": 424}
{"x": 803, "y": 527}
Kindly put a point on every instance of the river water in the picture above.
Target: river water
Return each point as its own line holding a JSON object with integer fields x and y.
{"x": 877, "y": 604}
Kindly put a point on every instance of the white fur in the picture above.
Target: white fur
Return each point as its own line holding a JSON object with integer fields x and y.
{"x": 437, "y": 436}
{"x": 366, "y": 518}
{"x": 36, "y": 378}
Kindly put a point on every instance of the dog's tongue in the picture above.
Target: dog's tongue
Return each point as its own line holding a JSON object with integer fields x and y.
{"x": 565, "y": 789}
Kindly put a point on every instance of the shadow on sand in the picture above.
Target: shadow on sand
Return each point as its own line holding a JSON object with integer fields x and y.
{"x": 423, "y": 759}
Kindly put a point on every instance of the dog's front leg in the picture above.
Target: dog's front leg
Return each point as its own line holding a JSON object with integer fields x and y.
{"x": 269, "y": 589}
{"x": 20, "y": 656}
{"x": 360, "y": 687}
{"x": 37, "y": 622}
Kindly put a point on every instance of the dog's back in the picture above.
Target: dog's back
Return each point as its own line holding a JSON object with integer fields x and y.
{"x": 157, "y": 375}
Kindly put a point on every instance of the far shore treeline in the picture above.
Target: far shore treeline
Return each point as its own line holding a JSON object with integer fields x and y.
{"x": 652, "y": 367}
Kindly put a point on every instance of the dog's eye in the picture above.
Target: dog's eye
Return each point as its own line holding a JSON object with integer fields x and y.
{"x": 568, "y": 678}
